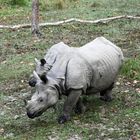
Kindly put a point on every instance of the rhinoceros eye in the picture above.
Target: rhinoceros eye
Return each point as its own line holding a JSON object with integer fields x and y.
{"x": 40, "y": 100}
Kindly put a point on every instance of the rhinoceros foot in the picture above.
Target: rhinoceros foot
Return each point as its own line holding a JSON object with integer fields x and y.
{"x": 80, "y": 108}
{"x": 106, "y": 95}
{"x": 106, "y": 98}
{"x": 63, "y": 118}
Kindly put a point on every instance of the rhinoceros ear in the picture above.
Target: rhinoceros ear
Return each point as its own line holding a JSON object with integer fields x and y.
{"x": 44, "y": 78}
{"x": 43, "y": 62}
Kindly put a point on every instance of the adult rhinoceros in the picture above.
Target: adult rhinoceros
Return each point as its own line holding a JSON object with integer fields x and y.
{"x": 86, "y": 70}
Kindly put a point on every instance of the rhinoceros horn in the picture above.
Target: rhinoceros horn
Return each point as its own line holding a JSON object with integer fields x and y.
{"x": 36, "y": 76}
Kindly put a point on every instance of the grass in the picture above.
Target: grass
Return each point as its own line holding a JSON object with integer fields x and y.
{"x": 116, "y": 120}
{"x": 131, "y": 68}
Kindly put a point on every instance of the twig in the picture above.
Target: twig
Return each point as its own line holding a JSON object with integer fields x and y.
{"x": 104, "y": 20}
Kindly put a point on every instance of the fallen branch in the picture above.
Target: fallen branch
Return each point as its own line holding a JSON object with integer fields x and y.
{"x": 104, "y": 20}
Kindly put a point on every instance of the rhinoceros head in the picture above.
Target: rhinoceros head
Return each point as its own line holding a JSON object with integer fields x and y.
{"x": 45, "y": 96}
{"x": 40, "y": 68}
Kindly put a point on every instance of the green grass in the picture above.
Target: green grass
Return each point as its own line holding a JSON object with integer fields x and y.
{"x": 131, "y": 68}
{"x": 117, "y": 120}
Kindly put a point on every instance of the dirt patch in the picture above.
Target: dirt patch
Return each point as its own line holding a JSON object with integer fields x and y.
{"x": 134, "y": 35}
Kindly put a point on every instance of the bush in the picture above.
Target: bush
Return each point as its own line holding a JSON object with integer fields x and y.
{"x": 14, "y": 2}
{"x": 53, "y": 4}
{"x": 131, "y": 68}
{"x": 18, "y": 2}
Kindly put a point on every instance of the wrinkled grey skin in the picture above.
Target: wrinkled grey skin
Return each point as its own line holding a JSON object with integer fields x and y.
{"x": 86, "y": 70}
{"x": 43, "y": 98}
{"x": 45, "y": 64}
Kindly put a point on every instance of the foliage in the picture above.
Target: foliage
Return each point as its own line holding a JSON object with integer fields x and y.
{"x": 14, "y": 2}
{"x": 131, "y": 68}
{"x": 55, "y": 4}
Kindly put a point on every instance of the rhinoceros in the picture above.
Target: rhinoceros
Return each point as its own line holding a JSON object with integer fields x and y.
{"x": 45, "y": 64}
{"x": 89, "y": 69}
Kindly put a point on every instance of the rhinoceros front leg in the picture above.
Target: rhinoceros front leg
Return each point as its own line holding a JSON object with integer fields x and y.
{"x": 69, "y": 104}
{"x": 106, "y": 95}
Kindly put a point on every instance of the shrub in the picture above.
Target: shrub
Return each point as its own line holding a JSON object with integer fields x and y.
{"x": 131, "y": 68}
{"x": 18, "y": 2}
{"x": 14, "y": 2}
{"x": 53, "y": 4}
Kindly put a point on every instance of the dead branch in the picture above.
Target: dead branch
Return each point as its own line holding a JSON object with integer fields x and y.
{"x": 71, "y": 20}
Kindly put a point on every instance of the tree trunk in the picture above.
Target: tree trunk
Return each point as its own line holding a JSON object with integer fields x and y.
{"x": 35, "y": 18}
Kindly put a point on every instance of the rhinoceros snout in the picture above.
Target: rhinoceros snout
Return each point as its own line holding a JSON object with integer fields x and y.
{"x": 33, "y": 115}
{"x": 30, "y": 115}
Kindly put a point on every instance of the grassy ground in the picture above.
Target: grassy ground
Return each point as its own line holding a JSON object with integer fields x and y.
{"x": 118, "y": 120}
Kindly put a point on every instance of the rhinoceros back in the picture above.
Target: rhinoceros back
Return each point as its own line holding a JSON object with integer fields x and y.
{"x": 93, "y": 66}
{"x": 56, "y": 51}
{"x": 105, "y": 60}
{"x": 58, "y": 48}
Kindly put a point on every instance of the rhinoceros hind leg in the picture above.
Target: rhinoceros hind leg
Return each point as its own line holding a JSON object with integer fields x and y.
{"x": 106, "y": 95}
{"x": 80, "y": 108}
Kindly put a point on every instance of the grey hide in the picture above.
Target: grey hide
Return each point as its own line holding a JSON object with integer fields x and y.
{"x": 93, "y": 66}
{"x": 86, "y": 70}
{"x": 53, "y": 54}
{"x": 45, "y": 64}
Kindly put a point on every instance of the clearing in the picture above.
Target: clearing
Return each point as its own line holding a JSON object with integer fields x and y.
{"x": 118, "y": 120}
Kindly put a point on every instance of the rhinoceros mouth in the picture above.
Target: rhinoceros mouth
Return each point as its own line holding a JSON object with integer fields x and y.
{"x": 35, "y": 114}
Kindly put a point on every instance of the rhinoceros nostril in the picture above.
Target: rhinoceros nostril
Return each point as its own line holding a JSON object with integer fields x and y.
{"x": 30, "y": 115}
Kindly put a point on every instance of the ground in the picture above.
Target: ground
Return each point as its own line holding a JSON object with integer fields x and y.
{"x": 117, "y": 120}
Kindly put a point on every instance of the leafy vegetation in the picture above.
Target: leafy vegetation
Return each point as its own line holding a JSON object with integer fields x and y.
{"x": 14, "y": 2}
{"x": 116, "y": 120}
{"x": 131, "y": 68}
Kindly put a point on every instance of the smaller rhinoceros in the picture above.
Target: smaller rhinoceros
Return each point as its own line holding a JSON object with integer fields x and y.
{"x": 86, "y": 70}
{"x": 45, "y": 64}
